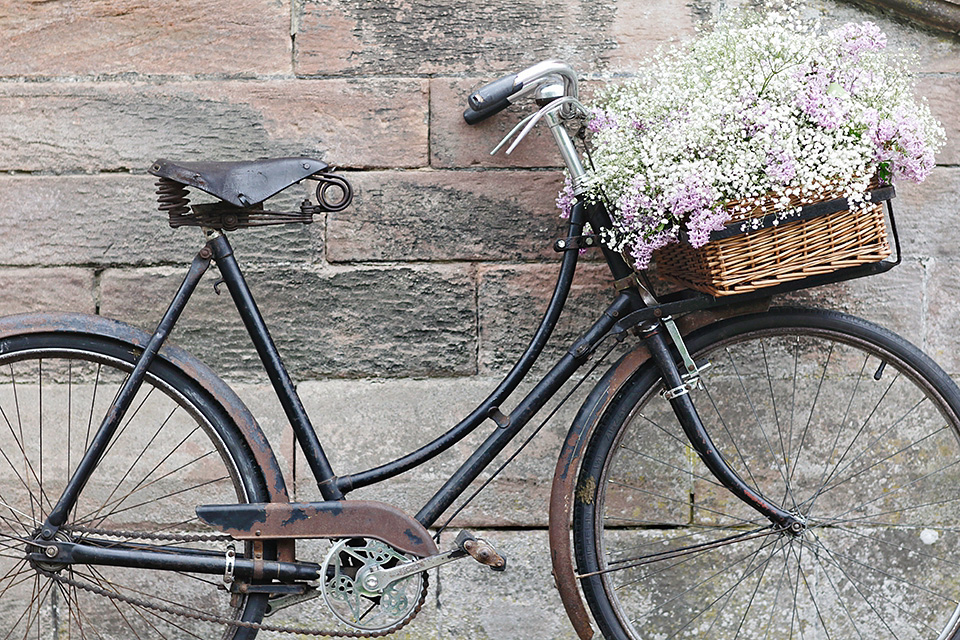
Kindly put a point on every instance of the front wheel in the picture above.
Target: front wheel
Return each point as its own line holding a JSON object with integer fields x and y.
{"x": 838, "y": 421}
{"x": 175, "y": 448}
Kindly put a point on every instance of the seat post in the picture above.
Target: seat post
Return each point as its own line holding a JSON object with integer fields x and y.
{"x": 270, "y": 357}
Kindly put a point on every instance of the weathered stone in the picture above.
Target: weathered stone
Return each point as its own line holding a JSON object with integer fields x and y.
{"x": 518, "y": 604}
{"x": 382, "y": 322}
{"x": 926, "y": 214}
{"x": 72, "y": 37}
{"x": 462, "y": 215}
{"x": 641, "y": 28}
{"x": 422, "y": 37}
{"x": 455, "y": 144}
{"x": 894, "y": 300}
{"x": 113, "y": 220}
{"x": 85, "y": 127}
{"x": 936, "y": 51}
{"x": 512, "y": 300}
{"x": 941, "y": 93}
{"x": 366, "y": 423}
{"x": 942, "y": 319}
{"x": 47, "y": 289}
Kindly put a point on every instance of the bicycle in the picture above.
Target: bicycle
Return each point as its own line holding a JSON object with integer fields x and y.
{"x": 812, "y": 488}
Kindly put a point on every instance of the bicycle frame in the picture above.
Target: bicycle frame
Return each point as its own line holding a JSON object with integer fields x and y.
{"x": 628, "y": 310}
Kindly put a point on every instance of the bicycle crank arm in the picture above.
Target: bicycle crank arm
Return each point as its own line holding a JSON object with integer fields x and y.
{"x": 379, "y": 580}
{"x": 467, "y": 545}
{"x": 55, "y": 556}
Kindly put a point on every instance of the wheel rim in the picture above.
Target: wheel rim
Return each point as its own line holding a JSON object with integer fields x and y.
{"x": 860, "y": 451}
{"x": 166, "y": 458}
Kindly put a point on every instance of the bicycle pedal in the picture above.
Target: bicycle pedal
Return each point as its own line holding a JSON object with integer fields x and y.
{"x": 481, "y": 551}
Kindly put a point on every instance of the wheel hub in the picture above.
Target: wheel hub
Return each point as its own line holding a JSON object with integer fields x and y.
{"x": 49, "y": 549}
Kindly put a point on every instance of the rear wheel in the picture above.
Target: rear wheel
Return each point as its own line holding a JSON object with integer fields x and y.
{"x": 830, "y": 417}
{"x": 174, "y": 449}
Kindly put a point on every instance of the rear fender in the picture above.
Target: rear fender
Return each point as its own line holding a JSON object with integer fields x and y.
{"x": 136, "y": 340}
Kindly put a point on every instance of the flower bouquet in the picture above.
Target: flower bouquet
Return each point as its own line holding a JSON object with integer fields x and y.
{"x": 760, "y": 116}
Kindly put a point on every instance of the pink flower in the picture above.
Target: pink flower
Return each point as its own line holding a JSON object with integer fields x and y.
{"x": 566, "y": 198}
{"x": 601, "y": 120}
{"x": 857, "y": 38}
{"x": 900, "y": 146}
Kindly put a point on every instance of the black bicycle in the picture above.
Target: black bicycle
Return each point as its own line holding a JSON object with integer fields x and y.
{"x": 741, "y": 472}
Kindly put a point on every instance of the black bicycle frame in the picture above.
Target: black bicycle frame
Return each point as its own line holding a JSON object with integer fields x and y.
{"x": 627, "y": 311}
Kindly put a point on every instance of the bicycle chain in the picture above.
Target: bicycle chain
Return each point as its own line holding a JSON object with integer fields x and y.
{"x": 206, "y": 617}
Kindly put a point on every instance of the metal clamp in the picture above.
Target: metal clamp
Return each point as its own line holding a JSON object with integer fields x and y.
{"x": 575, "y": 243}
{"x": 691, "y": 379}
{"x": 231, "y": 561}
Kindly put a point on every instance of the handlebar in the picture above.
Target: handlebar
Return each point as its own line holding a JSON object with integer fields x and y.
{"x": 499, "y": 94}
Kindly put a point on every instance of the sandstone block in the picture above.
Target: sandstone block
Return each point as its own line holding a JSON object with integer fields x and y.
{"x": 512, "y": 300}
{"x": 447, "y": 215}
{"x": 364, "y": 322}
{"x": 107, "y": 126}
{"x": 942, "y": 321}
{"x": 941, "y": 93}
{"x": 926, "y": 214}
{"x": 47, "y": 289}
{"x": 118, "y": 36}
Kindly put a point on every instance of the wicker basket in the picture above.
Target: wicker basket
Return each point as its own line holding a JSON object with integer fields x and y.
{"x": 758, "y": 250}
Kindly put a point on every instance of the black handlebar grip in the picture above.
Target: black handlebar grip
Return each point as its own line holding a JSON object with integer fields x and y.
{"x": 493, "y": 93}
{"x": 473, "y": 116}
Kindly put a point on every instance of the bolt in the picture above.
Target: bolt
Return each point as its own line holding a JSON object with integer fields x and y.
{"x": 561, "y": 243}
{"x": 51, "y": 551}
{"x": 370, "y": 582}
{"x": 47, "y": 534}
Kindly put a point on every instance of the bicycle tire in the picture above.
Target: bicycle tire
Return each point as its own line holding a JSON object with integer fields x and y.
{"x": 830, "y": 417}
{"x": 175, "y": 448}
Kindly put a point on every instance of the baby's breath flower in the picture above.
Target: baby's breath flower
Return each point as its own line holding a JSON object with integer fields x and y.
{"x": 759, "y": 105}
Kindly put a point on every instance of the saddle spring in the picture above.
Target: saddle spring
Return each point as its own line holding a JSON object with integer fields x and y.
{"x": 172, "y": 199}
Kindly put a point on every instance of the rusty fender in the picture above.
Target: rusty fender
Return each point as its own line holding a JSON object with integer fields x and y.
{"x": 135, "y": 339}
{"x": 568, "y": 464}
{"x": 330, "y": 519}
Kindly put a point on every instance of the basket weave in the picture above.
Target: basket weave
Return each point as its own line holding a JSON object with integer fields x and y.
{"x": 780, "y": 253}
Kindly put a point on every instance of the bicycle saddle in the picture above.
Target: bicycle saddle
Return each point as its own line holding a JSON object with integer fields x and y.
{"x": 243, "y": 184}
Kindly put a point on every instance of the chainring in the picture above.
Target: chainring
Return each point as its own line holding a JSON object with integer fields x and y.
{"x": 377, "y": 611}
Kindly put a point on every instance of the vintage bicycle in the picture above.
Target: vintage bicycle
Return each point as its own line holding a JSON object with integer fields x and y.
{"x": 741, "y": 471}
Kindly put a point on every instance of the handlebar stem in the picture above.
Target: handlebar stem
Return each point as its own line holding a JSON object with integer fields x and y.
{"x": 578, "y": 174}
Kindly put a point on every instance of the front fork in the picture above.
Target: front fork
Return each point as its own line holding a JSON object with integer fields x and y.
{"x": 676, "y": 390}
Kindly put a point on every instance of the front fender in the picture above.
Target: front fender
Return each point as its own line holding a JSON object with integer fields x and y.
{"x": 136, "y": 340}
{"x": 562, "y": 492}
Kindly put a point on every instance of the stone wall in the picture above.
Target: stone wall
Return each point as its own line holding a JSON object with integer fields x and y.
{"x": 397, "y": 315}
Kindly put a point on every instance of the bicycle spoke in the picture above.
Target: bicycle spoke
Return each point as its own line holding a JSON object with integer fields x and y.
{"x": 858, "y": 585}
{"x": 673, "y": 467}
{"x": 763, "y": 431}
{"x": 135, "y": 461}
{"x": 676, "y": 500}
{"x": 143, "y": 484}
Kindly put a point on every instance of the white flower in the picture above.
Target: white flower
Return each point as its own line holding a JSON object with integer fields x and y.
{"x": 760, "y": 105}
